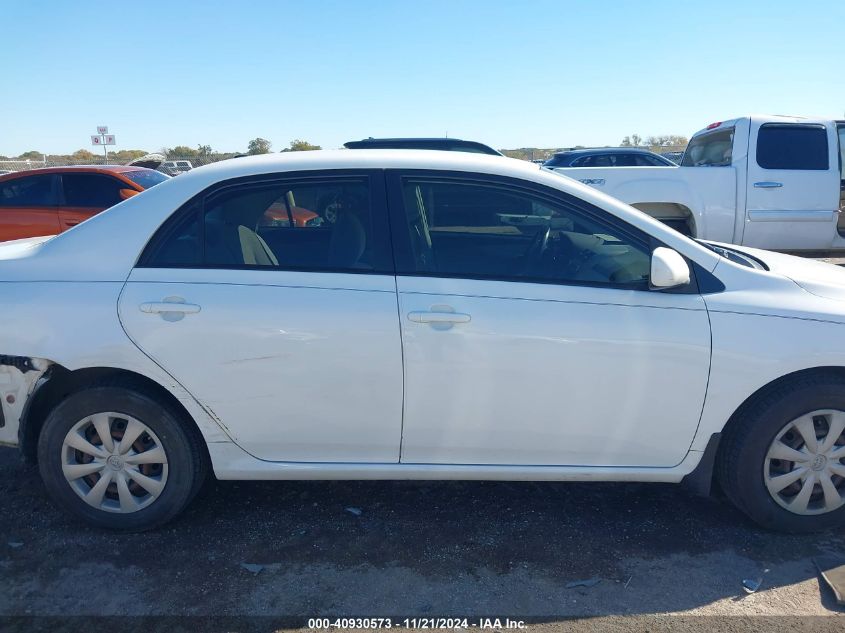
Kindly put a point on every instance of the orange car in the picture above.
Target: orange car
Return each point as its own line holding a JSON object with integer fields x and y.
{"x": 48, "y": 201}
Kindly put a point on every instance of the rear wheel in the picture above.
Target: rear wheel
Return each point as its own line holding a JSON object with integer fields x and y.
{"x": 119, "y": 459}
{"x": 782, "y": 461}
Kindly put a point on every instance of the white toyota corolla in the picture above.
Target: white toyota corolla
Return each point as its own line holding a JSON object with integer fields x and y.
{"x": 369, "y": 314}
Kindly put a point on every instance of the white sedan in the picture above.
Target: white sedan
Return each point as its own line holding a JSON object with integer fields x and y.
{"x": 451, "y": 316}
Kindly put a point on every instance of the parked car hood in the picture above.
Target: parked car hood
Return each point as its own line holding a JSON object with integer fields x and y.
{"x": 818, "y": 278}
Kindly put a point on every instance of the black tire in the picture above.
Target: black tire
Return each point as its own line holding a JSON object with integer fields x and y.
{"x": 185, "y": 457}
{"x": 746, "y": 441}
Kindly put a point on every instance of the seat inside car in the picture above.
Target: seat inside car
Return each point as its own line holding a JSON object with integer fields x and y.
{"x": 230, "y": 237}
{"x": 348, "y": 241}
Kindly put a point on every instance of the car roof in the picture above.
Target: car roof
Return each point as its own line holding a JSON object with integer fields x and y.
{"x": 605, "y": 150}
{"x": 102, "y": 169}
{"x": 427, "y": 143}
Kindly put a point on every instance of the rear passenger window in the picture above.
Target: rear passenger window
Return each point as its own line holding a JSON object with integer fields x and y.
{"x": 30, "y": 191}
{"x": 312, "y": 224}
{"x": 91, "y": 190}
{"x": 792, "y": 146}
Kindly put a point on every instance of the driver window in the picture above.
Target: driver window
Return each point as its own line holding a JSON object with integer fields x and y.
{"x": 480, "y": 230}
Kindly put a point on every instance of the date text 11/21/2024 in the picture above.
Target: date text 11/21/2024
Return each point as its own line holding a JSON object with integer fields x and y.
{"x": 416, "y": 623}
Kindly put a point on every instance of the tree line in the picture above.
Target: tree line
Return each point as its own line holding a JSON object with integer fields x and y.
{"x": 255, "y": 146}
{"x": 263, "y": 146}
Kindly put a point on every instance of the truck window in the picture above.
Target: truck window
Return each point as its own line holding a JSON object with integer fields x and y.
{"x": 712, "y": 149}
{"x": 792, "y": 146}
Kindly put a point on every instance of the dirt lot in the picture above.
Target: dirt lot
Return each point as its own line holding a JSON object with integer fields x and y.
{"x": 426, "y": 549}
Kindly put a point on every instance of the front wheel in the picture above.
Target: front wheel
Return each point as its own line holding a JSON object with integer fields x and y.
{"x": 782, "y": 461}
{"x": 119, "y": 459}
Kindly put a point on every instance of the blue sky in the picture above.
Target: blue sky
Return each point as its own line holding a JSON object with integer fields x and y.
{"x": 508, "y": 73}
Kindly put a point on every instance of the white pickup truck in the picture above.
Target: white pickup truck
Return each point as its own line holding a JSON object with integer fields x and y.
{"x": 774, "y": 182}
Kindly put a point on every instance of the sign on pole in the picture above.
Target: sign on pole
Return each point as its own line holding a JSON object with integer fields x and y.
{"x": 103, "y": 138}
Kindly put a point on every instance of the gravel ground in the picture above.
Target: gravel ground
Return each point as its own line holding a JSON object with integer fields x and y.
{"x": 424, "y": 549}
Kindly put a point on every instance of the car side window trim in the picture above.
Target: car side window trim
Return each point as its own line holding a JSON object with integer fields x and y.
{"x": 403, "y": 250}
{"x": 383, "y": 260}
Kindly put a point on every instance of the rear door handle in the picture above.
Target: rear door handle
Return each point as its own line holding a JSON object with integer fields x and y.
{"x": 158, "y": 307}
{"x": 438, "y": 317}
{"x": 170, "y": 309}
{"x": 766, "y": 184}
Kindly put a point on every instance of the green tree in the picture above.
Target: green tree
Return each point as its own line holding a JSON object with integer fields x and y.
{"x": 82, "y": 154}
{"x": 204, "y": 150}
{"x": 259, "y": 146}
{"x": 31, "y": 155}
{"x": 299, "y": 145}
{"x": 182, "y": 151}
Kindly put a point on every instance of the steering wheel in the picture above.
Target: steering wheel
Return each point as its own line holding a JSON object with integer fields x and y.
{"x": 537, "y": 248}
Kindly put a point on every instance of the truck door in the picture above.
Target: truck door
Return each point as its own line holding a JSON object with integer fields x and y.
{"x": 793, "y": 185}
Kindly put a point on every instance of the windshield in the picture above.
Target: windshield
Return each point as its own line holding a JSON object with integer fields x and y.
{"x": 147, "y": 178}
{"x": 712, "y": 149}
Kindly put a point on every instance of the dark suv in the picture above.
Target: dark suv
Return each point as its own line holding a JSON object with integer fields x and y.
{"x": 608, "y": 157}
{"x": 443, "y": 144}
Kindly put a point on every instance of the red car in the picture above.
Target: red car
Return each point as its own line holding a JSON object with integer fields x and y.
{"x": 48, "y": 201}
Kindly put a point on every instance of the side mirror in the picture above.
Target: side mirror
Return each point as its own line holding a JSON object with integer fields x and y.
{"x": 668, "y": 269}
{"x": 125, "y": 194}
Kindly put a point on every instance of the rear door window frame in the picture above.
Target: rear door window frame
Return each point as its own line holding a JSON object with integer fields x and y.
{"x": 383, "y": 258}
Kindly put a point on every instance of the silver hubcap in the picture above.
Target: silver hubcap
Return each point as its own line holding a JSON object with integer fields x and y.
{"x": 804, "y": 469}
{"x": 114, "y": 462}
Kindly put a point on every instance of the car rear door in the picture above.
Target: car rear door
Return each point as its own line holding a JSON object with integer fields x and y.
{"x": 530, "y": 335}
{"x": 29, "y": 207}
{"x": 87, "y": 194}
{"x": 287, "y": 333}
{"x": 792, "y": 194}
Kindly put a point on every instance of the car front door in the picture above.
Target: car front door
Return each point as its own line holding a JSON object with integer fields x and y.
{"x": 28, "y": 207}
{"x": 792, "y": 186}
{"x": 530, "y": 335}
{"x": 85, "y": 195}
{"x": 287, "y": 333}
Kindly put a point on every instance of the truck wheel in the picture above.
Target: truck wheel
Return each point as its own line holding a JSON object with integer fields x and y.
{"x": 782, "y": 459}
{"x": 119, "y": 459}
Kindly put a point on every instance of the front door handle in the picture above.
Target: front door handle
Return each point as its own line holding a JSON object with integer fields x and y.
{"x": 766, "y": 184}
{"x": 438, "y": 317}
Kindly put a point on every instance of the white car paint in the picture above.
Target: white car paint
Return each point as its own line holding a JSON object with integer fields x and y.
{"x": 544, "y": 382}
{"x": 731, "y": 203}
